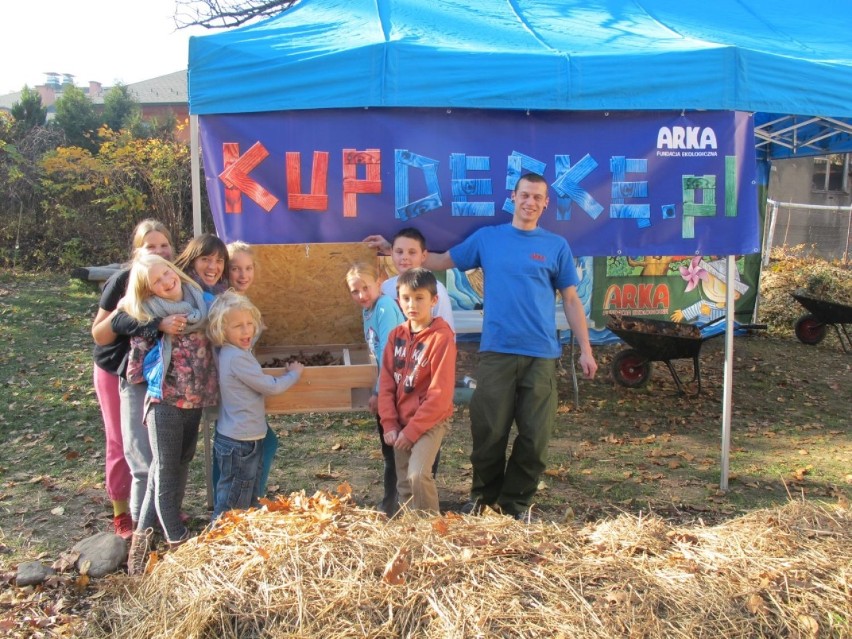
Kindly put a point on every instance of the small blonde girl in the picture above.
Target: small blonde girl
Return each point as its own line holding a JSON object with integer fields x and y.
{"x": 380, "y": 314}
{"x": 182, "y": 381}
{"x": 242, "y": 266}
{"x": 241, "y": 428}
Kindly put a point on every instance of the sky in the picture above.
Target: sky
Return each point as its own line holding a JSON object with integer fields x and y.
{"x": 101, "y": 40}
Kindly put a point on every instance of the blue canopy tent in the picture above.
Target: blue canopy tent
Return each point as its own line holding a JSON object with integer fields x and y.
{"x": 784, "y": 57}
{"x": 788, "y": 62}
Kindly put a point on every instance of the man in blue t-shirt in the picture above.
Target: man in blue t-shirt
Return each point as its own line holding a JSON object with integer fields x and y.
{"x": 524, "y": 266}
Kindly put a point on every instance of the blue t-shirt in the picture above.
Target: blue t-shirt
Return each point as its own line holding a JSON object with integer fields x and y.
{"x": 522, "y": 270}
{"x": 379, "y": 321}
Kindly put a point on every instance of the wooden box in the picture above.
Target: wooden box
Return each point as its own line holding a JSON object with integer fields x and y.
{"x": 333, "y": 388}
{"x": 306, "y": 307}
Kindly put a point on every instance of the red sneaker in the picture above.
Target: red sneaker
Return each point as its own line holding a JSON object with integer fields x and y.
{"x": 123, "y": 525}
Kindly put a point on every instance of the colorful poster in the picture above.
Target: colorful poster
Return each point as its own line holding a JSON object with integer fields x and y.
{"x": 674, "y": 288}
{"x": 622, "y": 183}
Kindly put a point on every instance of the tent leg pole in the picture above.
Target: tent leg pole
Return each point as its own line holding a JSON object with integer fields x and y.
{"x": 195, "y": 168}
{"x": 729, "y": 372}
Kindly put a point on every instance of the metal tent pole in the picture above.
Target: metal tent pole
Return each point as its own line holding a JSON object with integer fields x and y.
{"x": 195, "y": 168}
{"x": 729, "y": 372}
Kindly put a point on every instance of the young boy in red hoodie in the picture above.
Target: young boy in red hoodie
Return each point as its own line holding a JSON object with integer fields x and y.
{"x": 416, "y": 386}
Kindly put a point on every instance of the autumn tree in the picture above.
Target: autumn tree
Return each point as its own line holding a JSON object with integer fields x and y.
{"x": 92, "y": 201}
{"x": 21, "y": 191}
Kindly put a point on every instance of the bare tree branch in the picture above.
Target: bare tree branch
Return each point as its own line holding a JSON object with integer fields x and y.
{"x": 224, "y": 14}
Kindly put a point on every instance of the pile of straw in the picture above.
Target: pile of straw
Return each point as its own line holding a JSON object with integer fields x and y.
{"x": 322, "y": 567}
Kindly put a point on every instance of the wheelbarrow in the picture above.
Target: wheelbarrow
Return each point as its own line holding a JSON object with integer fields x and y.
{"x": 659, "y": 341}
{"x": 812, "y": 327}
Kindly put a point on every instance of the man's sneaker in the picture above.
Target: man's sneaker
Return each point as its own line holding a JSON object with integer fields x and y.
{"x": 123, "y": 525}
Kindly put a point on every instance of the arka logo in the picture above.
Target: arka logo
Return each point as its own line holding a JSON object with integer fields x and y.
{"x": 686, "y": 137}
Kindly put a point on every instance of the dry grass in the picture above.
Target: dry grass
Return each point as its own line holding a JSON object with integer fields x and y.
{"x": 322, "y": 567}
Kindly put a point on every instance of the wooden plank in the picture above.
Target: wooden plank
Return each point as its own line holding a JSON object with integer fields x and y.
{"x": 95, "y": 273}
{"x": 335, "y": 388}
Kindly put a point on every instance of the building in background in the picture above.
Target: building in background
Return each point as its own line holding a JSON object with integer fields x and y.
{"x": 158, "y": 97}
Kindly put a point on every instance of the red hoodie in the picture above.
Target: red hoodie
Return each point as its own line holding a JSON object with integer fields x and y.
{"x": 418, "y": 378}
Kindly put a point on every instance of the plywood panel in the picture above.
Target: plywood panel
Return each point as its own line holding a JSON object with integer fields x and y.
{"x": 300, "y": 290}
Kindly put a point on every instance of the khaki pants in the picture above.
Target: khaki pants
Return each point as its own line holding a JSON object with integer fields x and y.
{"x": 414, "y": 470}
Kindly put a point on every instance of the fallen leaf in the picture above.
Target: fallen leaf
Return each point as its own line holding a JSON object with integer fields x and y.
{"x": 799, "y": 474}
{"x": 394, "y": 573}
{"x": 808, "y": 625}
{"x": 65, "y": 561}
{"x": 440, "y": 526}
{"x": 755, "y": 604}
{"x": 682, "y": 537}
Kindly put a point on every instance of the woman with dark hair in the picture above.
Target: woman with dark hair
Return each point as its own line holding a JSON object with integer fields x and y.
{"x": 205, "y": 260}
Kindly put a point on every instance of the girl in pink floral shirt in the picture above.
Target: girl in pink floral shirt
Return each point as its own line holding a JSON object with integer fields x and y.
{"x": 182, "y": 380}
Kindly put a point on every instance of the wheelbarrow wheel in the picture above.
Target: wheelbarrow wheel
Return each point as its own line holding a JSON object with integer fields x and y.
{"x": 810, "y": 330}
{"x": 631, "y": 369}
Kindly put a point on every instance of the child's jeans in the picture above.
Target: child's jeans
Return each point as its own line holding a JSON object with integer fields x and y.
{"x": 415, "y": 483}
{"x": 270, "y": 447}
{"x": 240, "y": 464}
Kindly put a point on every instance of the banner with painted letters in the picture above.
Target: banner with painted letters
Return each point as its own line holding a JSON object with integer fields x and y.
{"x": 622, "y": 183}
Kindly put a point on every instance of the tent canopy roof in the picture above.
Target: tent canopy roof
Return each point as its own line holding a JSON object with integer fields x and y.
{"x": 779, "y": 57}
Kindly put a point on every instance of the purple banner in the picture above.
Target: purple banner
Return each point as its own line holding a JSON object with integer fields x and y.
{"x": 622, "y": 183}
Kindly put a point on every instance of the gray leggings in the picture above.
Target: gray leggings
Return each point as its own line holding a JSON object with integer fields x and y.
{"x": 173, "y": 433}
{"x": 134, "y": 435}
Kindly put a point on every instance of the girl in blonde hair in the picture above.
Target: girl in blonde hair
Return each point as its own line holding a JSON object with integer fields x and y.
{"x": 381, "y": 315}
{"x": 242, "y": 267}
{"x": 181, "y": 379}
{"x": 241, "y": 429}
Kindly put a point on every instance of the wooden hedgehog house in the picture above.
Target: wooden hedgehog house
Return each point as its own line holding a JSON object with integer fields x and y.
{"x": 308, "y": 315}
